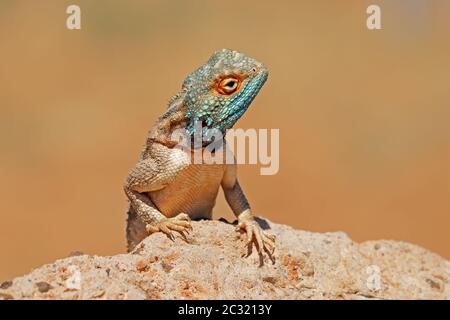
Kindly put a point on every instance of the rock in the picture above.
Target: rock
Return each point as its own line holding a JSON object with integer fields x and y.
{"x": 213, "y": 265}
{"x": 6, "y": 284}
{"x": 43, "y": 286}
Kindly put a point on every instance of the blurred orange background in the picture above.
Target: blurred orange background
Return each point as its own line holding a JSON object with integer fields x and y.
{"x": 364, "y": 116}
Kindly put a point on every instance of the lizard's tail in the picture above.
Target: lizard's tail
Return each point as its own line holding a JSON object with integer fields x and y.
{"x": 135, "y": 230}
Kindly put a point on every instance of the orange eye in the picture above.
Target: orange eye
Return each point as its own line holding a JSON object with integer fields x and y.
{"x": 228, "y": 85}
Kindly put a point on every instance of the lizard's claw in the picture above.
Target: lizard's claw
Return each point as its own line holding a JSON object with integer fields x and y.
{"x": 262, "y": 240}
{"x": 180, "y": 223}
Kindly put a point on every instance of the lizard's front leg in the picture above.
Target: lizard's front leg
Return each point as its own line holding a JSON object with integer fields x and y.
{"x": 154, "y": 220}
{"x": 148, "y": 176}
{"x": 239, "y": 204}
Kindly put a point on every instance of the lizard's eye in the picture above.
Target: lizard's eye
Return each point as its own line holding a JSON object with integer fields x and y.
{"x": 228, "y": 85}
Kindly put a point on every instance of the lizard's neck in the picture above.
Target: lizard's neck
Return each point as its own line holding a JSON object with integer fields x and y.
{"x": 166, "y": 125}
{"x": 174, "y": 118}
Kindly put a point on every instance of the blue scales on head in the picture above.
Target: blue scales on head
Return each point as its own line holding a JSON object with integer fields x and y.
{"x": 218, "y": 93}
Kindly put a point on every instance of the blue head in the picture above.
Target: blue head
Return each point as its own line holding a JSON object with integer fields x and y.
{"x": 220, "y": 91}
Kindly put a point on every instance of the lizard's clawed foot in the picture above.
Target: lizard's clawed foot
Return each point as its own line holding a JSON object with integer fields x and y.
{"x": 255, "y": 234}
{"x": 180, "y": 223}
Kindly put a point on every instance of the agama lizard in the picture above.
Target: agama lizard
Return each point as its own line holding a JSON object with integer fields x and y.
{"x": 165, "y": 188}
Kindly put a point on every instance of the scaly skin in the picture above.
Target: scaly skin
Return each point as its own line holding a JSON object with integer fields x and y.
{"x": 165, "y": 188}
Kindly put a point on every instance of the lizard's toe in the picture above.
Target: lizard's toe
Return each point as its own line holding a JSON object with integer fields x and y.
{"x": 165, "y": 228}
{"x": 269, "y": 242}
{"x": 182, "y": 216}
{"x": 180, "y": 223}
{"x": 262, "y": 240}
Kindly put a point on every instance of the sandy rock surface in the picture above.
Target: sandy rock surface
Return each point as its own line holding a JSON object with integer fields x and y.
{"x": 213, "y": 265}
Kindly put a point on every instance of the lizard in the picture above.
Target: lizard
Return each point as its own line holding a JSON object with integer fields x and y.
{"x": 165, "y": 189}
